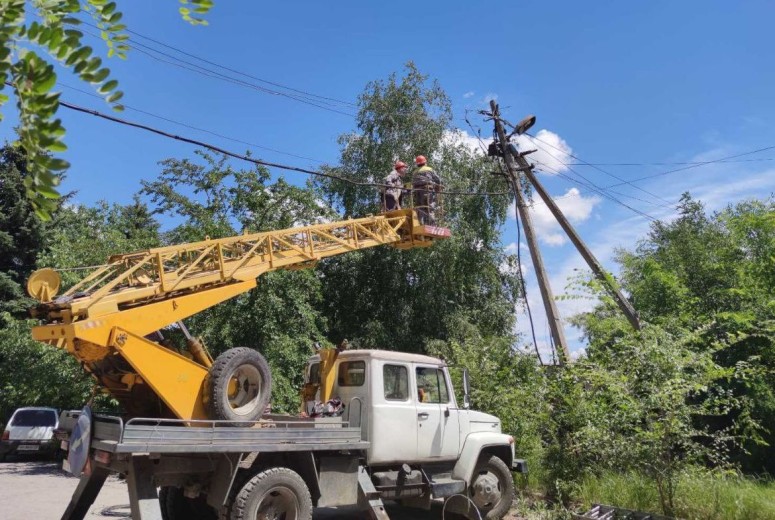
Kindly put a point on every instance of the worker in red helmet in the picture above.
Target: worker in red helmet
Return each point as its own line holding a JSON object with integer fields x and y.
{"x": 426, "y": 183}
{"x": 392, "y": 187}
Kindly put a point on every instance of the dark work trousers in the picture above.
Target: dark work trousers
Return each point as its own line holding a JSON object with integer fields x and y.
{"x": 391, "y": 203}
{"x": 422, "y": 205}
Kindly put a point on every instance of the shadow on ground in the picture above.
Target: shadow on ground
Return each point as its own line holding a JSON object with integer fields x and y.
{"x": 33, "y": 467}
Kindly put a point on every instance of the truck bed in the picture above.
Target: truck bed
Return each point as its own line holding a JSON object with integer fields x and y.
{"x": 273, "y": 433}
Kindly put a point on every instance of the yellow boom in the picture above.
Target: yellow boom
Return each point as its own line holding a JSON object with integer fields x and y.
{"x": 109, "y": 320}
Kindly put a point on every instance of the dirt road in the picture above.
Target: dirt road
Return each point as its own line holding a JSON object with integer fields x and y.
{"x": 40, "y": 490}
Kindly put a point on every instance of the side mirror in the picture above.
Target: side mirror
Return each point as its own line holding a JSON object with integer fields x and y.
{"x": 466, "y": 390}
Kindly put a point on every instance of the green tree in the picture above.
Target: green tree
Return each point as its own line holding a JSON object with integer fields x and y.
{"x": 21, "y": 233}
{"x": 647, "y": 404}
{"x": 387, "y": 298}
{"x": 34, "y": 374}
{"x": 33, "y": 35}
{"x": 80, "y": 236}
{"x": 282, "y": 317}
{"x": 714, "y": 274}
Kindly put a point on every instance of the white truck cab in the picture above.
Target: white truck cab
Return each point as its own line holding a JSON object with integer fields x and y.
{"x": 407, "y": 411}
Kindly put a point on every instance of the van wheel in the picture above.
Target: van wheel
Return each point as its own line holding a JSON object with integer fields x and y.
{"x": 177, "y": 506}
{"x": 492, "y": 488}
{"x": 240, "y": 386}
{"x": 274, "y": 494}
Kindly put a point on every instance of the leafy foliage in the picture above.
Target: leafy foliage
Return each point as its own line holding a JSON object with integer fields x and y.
{"x": 35, "y": 33}
{"x": 400, "y": 299}
{"x": 640, "y": 406}
{"x": 281, "y": 318}
{"x": 21, "y": 233}
{"x": 34, "y": 374}
{"x": 711, "y": 274}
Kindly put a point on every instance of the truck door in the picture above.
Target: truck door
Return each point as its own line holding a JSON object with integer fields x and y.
{"x": 438, "y": 433}
{"x": 394, "y": 414}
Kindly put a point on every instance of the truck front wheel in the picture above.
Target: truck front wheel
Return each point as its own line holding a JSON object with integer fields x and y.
{"x": 492, "y": 488}
{"x": 273, "y": 494}
{"x": 240, "y": 386}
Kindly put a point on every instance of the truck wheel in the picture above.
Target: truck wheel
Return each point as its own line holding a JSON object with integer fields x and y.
{"x": 240, "y": 386}
{"x": 273, "y": 494}
{"x": 177, "y": 506}
{"x": 492, "y": 488}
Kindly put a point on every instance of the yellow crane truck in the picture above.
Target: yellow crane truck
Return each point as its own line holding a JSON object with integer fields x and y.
{"x": 401, "y": 435}
{"x": 111, "y": 321}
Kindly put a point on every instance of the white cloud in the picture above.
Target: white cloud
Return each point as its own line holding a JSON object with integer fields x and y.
{"x": 458, "y": 137}
{"x": 553, "y": 153}
{"x": 468, "y": 94}
{"x": 576, "y": 208}
{"x": 490, "y": 96}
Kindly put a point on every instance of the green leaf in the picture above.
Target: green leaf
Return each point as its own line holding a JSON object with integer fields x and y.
{"x": 57, "y": 146}
{"x": 115, "y": 96}
{"x": 100, "y": 75}
{"x": 107, "y": 87}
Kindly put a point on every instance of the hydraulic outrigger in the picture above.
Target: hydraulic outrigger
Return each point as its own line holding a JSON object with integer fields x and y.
{"x": 110, "y": 320}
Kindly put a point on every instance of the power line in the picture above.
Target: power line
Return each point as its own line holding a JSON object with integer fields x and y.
{"x": 534, "y": 138}
{"x": 703, "y": 163}
{"x": 303, "y": 96}
{"x": 593, "y": 186}
{"x": 192, "y": 127}
{"x": 597, "y": 189}
{"x": 245, "y": 74}
{"x": 247, "y": 158}
{"x": 193, "y": 67}
{"x": 677, "y": 163}
{"x": 589, "y": 182}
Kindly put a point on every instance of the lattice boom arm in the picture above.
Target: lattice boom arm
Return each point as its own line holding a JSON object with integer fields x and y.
{"x": 147, "y": 276}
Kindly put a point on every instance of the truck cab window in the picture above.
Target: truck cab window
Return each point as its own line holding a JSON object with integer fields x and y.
{"x": 431, "y": 385}
{"x": 314, "y": 374}
{"x": 352, "y": 373}
{"x": 396, "y": 380}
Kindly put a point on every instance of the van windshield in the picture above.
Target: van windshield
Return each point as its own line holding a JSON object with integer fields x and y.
{"x": 34, "y": 418}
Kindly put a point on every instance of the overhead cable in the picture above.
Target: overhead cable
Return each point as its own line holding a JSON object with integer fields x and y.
{"x": 535, "y": 138}
{"x": 247, "y": 158}
{"x": 192, "y": 127}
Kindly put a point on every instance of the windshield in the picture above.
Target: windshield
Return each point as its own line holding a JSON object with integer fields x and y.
{"x": 34, "y": 418}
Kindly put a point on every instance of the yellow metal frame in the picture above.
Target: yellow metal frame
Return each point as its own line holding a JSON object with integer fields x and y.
{"x": 110, "y": 311}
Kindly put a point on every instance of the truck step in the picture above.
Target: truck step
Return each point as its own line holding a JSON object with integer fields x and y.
{"x": 447, "y": 486}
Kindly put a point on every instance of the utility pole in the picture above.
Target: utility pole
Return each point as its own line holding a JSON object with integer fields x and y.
{"x": 555, "y": 325}
{"x": 592, "y": 262}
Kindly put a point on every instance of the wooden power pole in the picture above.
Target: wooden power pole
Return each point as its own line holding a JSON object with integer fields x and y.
{"x": 553, "y": 315}
{"x": 510, "y": 150}
{"x": 624, "y": 304}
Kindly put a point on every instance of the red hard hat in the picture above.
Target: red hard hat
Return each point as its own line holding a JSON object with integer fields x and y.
{"x": 420, "y": 160}
{"x": 399, "y": 165}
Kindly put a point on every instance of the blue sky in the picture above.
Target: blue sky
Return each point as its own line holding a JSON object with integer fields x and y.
{"x": 611, "y": 82}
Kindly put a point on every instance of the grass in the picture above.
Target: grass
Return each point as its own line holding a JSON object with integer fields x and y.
{"x": 699, "y": 496}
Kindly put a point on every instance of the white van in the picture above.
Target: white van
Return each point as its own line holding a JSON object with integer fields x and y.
{"x": 30, "y": 431}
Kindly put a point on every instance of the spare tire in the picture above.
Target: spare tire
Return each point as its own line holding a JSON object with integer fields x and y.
{"x": 240, "y": 386}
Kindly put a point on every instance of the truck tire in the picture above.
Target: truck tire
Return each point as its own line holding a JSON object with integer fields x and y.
{"x": 492, "y": 488}
{"x": 177, "y": 506}
{"x": 276, "y": 493}
{"x": 240, "y": 386}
